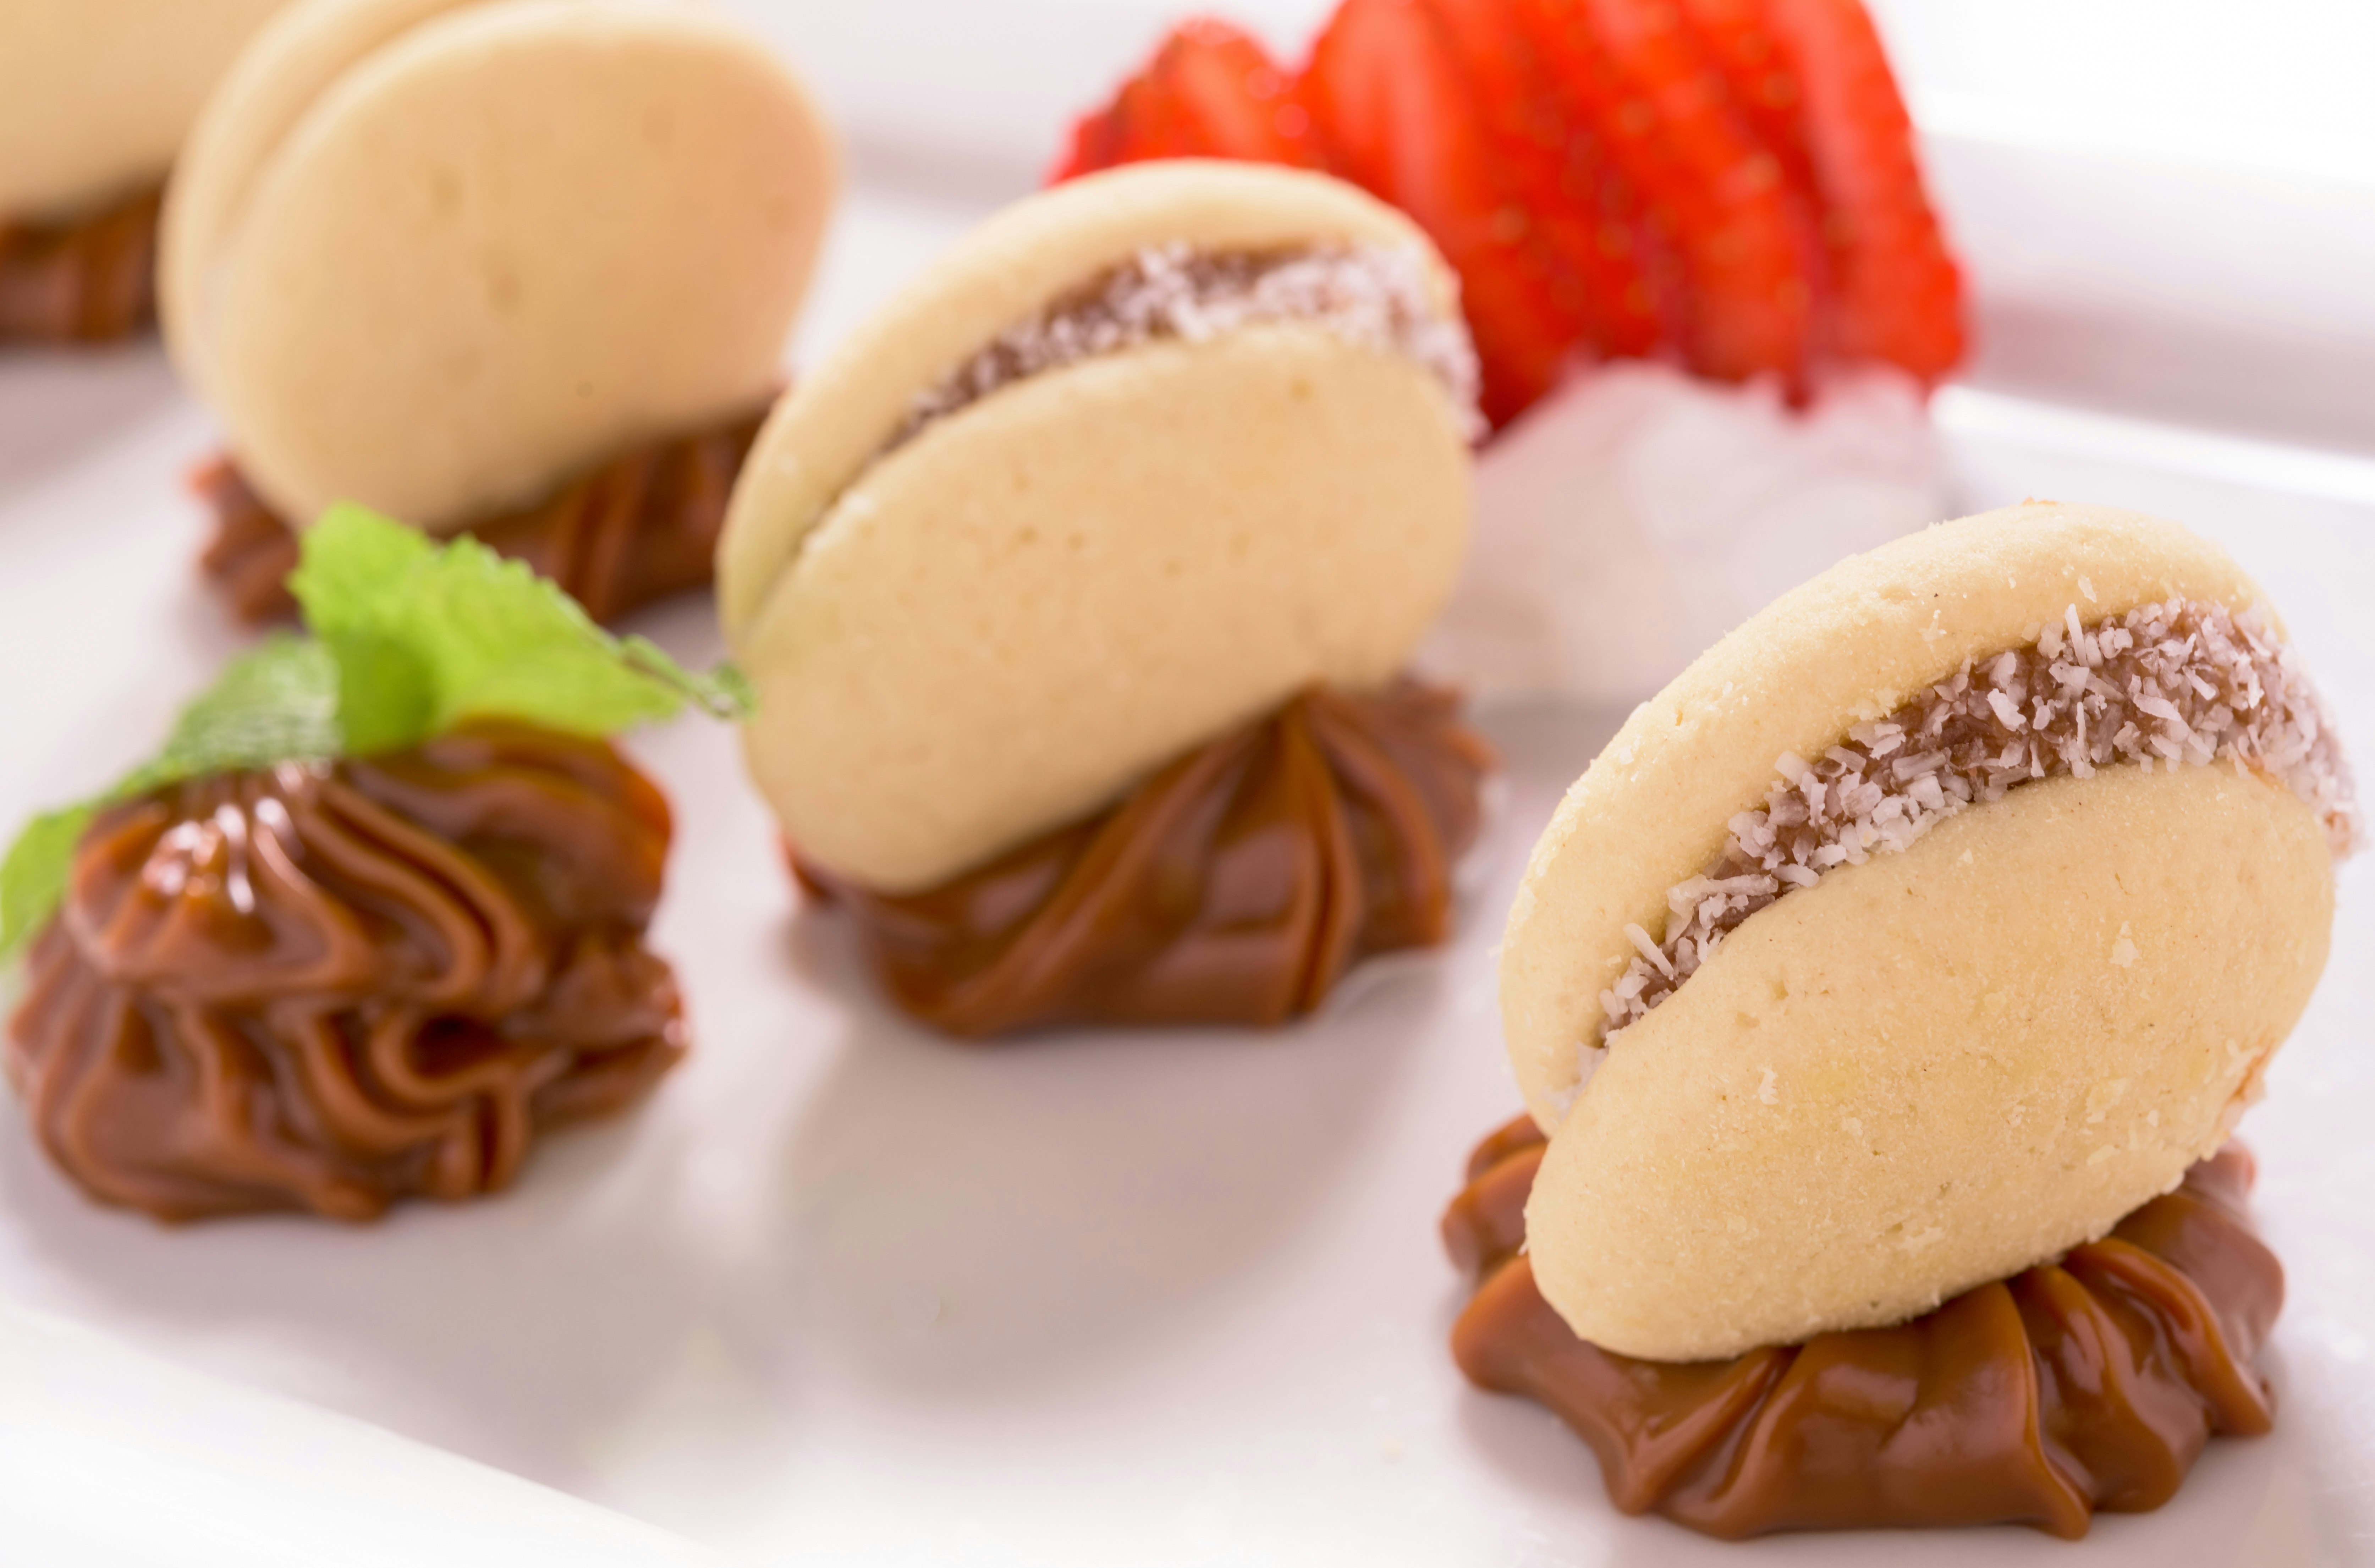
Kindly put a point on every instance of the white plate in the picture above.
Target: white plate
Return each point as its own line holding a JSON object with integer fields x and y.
{"x": 110, "y": 1458}
{"x": 847, "y": 1291}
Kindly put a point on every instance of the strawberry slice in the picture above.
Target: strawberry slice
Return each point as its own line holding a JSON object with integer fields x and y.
{"x": 1401, "y": 120}
{"x": 1747, "y": 250}
{"x": 1764, "y": 85}
{"x": 1899, "y": 291}
{"x": 1129, "y": 129}
{"x": 1210, "y": 91}
{"x": 1600, "y": 275}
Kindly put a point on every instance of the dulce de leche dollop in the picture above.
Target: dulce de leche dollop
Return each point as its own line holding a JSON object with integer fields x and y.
{"x": 86, "y": 279}
{"x": 2092, "y": 1382}
{"x": 1236, "y": 886}
{"x": 637, "y": 529}
{"x": 327, "y": 987}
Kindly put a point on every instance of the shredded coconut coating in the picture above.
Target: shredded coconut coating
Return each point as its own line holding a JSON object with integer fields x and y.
{"x": 1375, "y": 296}
{"x": 2179, "y": 683}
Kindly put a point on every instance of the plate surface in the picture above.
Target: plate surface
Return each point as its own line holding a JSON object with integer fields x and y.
{"x": 846, "y": 1289}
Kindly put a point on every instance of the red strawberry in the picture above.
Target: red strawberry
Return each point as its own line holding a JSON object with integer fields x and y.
{"x": 1764, "y": 88}
{"x": 1584, "y": 210}
{"x": 1899, "y": 292}
{"x": 1210, "y": 91}
{"x": 1401, "y": 120}
{"x": 1745, "y": 249}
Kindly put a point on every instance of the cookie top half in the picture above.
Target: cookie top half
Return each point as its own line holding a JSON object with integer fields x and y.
{"x": 1654, "y": 808}
{"x": 1137, "y": 459}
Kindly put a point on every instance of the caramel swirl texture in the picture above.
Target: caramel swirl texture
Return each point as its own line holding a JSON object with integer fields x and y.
{"x": 638, "y": 528}
{"x": 328, "y": 987}
{"x": 91, "y": 280}
{"x": 2091, "y": 1383}
{"x": 1236, "y": 886}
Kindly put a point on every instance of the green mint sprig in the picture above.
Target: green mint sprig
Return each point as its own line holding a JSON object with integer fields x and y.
{"x": 411, "y": 638}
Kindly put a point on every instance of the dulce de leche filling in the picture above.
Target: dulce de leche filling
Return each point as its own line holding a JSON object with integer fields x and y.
{"x": 88, "y": 279}
{"x": 638, "y": 528}
{"x": 1375, "y": 296}
{"x": 328, "y": 987}
{"x": 2181, "y": 684}
{"x": 2090, "y": 1383}
{"x": 1236, "y": 886}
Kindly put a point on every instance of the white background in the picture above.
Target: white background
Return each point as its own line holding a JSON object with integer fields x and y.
{"x": 845, "y": 1290}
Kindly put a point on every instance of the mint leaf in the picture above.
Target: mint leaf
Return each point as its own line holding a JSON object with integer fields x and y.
{"x": 723, "y": 693}
{"x": 428, "y": 636}
{"x": 387, "y": 694}
{"x": 411, "y": 639}
{"x": 33, "y": 877}
{"x": 276, "y": 703}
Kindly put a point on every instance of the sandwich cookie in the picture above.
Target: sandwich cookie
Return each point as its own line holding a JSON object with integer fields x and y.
{"x": 1883, "y": 996}
{"x": 520, "y": 267}
{"x": 95, "y": 98}
{"x": 1075, "y": 587}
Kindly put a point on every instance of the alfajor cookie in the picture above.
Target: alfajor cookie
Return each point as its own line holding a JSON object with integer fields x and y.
{"x": 1883, "y": 996}
{"x": 1139, "y": 461}
{"x": 95, "y": 98}
{"x": 1929, "y": 924}
{"x": 446, "y": 257}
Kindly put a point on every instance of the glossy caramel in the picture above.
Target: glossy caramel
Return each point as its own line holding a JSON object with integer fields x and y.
{"x": 2090, "y": 1383}
{"x": 1236, "y": 886}
{"x": 328, "y": 987}
{"x": 91, "y": 279}
{"x": 638, "y": 528}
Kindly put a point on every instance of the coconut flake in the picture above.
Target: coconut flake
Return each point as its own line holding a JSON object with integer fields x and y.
{"x": 1377, "y": 296}
{"x": 2181, "y": 683}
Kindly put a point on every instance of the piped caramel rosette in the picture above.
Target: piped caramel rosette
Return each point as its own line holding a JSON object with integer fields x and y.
{"x": 515, "y": 267}
{"x": 375, "y": 919}
{"x": 327, "y": 986}
{"x": 1882, "y": 980}
{"x": 1076, "y": 589}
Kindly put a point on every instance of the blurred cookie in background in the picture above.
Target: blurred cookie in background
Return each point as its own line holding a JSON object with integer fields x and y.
{"x": 96, "y": 97}
{"x": 525, "y": 268}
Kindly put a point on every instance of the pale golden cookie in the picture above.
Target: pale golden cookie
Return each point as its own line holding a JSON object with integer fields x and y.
{"x": 1934, "y": 1068}
{"x": 435, "y": 257}
{"x": 96, "y": 95}
{"x": 970, "y": 631}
